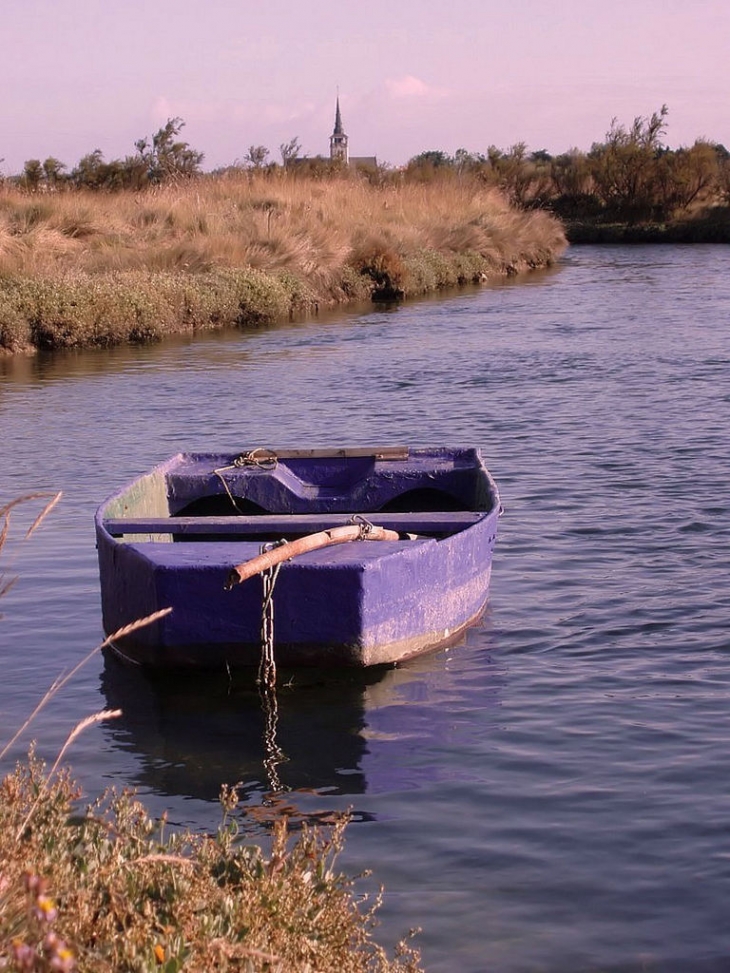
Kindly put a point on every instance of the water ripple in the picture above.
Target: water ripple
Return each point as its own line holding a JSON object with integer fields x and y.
{"x": 551, "y": 794}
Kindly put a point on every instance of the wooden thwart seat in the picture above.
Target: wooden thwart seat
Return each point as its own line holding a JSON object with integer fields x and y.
{"x": 428, "y": 522}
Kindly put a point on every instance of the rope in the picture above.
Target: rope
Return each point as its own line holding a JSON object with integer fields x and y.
{"x": 260, "y": 458}
{"x": 264, "y": 458}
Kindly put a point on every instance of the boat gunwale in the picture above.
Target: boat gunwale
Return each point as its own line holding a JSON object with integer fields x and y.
{"x": 439, "y": 522}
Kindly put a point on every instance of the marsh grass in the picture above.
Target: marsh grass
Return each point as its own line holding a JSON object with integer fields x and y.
{"x": 7, "y": 581}
{"x": 102, "y": 887}
{"x": 107, "y": 888}
{"x": 83, "y": 268}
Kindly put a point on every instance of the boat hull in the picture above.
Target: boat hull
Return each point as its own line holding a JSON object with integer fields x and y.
{"x": 359, "y": 604}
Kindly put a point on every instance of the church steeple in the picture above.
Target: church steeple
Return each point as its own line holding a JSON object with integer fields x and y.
{"x": 338, "y": 139}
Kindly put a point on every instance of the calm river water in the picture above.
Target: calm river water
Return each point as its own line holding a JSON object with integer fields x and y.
{"x": 553, "y": 794}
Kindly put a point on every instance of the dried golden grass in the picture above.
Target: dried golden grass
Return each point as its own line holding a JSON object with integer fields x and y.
{"x": 300, "y": 223}
{"x": 65, "y": 677}
{"x": 6, "y": 583}
{"x": 310, "y": 235}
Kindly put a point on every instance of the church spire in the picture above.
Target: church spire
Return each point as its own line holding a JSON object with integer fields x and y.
{"x": 338, "y": 139}
{"x": 338, "y": 120}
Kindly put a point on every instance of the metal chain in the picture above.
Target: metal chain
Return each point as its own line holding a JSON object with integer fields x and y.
{"x": 267, "y": 663}
{"x": 273, "y": 755}
{"x": 366, "y": 527}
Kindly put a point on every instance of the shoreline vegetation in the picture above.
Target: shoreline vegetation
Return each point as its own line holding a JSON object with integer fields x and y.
{"x": 99, "y": 885}
{"x": 83, "y": 268}
{"x": 708, "y": 225}
{"x": 134, "y": 249}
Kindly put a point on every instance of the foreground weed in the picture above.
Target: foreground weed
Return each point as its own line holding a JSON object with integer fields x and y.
{"x": 107, "y": 890}
{"x": 104, "y": 888}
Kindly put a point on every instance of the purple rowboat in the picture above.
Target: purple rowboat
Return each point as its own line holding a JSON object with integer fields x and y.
{"x": 390, "y": 555}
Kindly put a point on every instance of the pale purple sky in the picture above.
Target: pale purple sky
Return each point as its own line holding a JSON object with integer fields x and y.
{"x": 413, "y": 75}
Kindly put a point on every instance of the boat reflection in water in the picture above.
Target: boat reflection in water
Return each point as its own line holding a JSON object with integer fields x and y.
{"x": 340, "y": 732}
{"x": 195, "y": 732}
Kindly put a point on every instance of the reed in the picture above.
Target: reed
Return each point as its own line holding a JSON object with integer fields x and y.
{"x": 6, "y": 581}
{"x": 90, "y": 268}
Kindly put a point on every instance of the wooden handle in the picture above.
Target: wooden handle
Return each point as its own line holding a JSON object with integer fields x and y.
{"x": 312, "y": 542}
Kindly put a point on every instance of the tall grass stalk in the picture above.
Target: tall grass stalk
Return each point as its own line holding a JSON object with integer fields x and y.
{"x": 61, "y": 680}
{"x": 82, "y": 268}
{"x": 6, "y": 583}
{"x": 47, "y": 780}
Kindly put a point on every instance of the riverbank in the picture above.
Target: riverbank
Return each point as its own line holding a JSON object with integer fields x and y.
{"x": 83, "y": 269}
{"x": 709, "y": 226}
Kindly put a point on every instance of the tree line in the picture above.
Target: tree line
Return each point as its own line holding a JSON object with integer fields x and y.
{"x": 163, "y": 157}
{"x": 631, "y": 176}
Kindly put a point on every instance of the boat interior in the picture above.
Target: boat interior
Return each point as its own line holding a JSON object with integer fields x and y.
{"x": 202, "y": 497}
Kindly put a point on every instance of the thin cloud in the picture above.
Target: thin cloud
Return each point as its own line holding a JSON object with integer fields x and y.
{"x": 161, "y": 109}
{"x": 410, "y": 87}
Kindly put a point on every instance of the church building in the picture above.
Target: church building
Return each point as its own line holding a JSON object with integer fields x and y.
{"x": 338, "y": 139}
{"x": 339, "y": 150}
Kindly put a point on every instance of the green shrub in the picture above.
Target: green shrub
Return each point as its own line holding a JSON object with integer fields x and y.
{"x": 353, "y": 285}
{"x": 15, "y": 334}
{"x": 107, "y": 888}
{"x": 140, "y": 306}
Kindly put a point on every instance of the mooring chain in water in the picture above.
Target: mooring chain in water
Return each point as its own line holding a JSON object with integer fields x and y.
{"x": 273, "y": 755}
{"x": 261, "y": 458}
